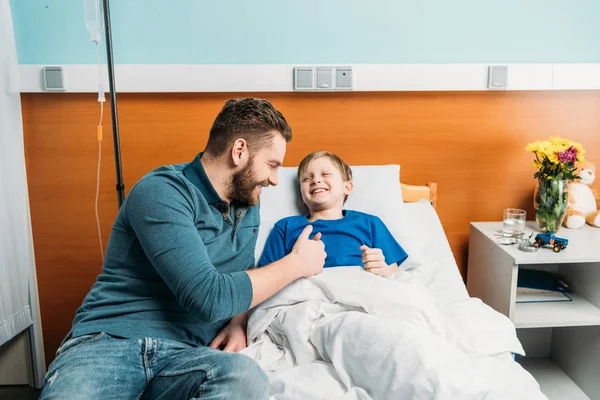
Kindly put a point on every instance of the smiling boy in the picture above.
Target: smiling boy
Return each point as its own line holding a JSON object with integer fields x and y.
{"x": 351, "y": 238}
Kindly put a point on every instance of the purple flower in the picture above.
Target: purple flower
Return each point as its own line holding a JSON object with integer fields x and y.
{"x": 568, "y": 156}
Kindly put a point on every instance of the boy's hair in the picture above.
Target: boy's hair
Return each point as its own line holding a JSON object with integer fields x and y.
{"x": 341, "y": 166}
{"x": 250, "y": 119}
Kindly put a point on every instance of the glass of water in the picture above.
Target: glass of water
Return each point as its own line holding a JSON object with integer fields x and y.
{"x": 514, "y": 221}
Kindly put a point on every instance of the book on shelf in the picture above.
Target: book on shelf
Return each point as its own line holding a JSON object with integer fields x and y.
{"x": 535, "y": 286}
{"x": 542, "y": 297}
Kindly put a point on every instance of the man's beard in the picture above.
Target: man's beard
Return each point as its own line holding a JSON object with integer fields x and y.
{"x": 243, "y": 185}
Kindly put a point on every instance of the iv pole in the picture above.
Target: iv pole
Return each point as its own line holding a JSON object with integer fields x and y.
{"x": 113, "y": 103}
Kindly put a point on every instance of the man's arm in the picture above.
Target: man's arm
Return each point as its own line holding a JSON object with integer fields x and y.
{"x": 268, "y": 280}
{"x": 233, "y": 337}
{"x": 306, "y": 259}
{"x": 161, "y": 212}
{"x": 162, "y": 216}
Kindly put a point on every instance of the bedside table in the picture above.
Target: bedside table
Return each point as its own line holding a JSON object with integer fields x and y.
{"x": 561, "y": 339}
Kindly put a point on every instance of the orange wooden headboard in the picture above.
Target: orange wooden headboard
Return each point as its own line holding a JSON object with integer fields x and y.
{"x": 470, "y": 143}
{"x": 413, "y": 193}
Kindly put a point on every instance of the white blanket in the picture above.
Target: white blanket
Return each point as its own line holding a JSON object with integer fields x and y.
{"x": 348, "y": 334}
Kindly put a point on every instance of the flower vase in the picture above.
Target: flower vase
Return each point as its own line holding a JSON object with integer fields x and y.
{"x": 551, "y": 198}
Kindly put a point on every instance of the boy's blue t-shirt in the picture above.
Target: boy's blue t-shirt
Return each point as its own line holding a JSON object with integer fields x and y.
{"x": 342, "y": 238}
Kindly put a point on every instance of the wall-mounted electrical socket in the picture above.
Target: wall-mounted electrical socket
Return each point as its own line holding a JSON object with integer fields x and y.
{"x": 497, "y": 77}
{"x": 323, "y": 78}
{"x": 304, "y": 78}
{"x": 52, "y": 79}
{"x": 343, "y": 78}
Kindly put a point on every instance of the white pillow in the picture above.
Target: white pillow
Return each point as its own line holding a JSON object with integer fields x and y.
{"x": 421, "y": 234}
{"x": 376, "y": 191}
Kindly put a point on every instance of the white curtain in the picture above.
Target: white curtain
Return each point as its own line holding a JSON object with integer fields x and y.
{"x": 16, "y": 249}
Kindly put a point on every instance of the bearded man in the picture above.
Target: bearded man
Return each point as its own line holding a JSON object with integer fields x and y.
{"x": 167, "y": 314}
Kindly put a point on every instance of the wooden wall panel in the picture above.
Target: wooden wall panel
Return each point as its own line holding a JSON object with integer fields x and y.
{"x": 471, "y": 143}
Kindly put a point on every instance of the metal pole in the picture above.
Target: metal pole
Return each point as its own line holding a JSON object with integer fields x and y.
{"x": 113, "y": 104}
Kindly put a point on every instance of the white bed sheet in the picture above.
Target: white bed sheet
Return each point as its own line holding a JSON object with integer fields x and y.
{"x": 304, "y": 371}
{"x": 346, "y": 333}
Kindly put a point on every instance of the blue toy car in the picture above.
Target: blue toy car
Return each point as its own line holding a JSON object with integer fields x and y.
{"x": 548, "y": 239}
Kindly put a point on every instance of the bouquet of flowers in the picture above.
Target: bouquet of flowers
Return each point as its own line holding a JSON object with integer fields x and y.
{"x": 556, "y": 163}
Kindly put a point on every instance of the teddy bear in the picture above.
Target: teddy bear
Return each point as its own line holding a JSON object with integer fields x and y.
{"x": 582, "y": 206}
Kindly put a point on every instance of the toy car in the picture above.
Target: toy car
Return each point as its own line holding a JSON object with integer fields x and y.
{"x": 548, "y": 239}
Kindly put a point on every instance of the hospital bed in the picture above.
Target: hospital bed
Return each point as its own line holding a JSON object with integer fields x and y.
{"x": 305, "y": 364}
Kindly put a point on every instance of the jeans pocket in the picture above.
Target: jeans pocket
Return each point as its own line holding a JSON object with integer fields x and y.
{"x": 79, "y": 340}
{"x": 187, "y": 368}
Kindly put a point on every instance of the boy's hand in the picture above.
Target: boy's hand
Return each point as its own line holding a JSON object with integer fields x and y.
{"x": 374, "y": 262}
{"x": 309, "y": 253}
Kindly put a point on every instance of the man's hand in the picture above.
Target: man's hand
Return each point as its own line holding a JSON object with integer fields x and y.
{"x": 309, "y": 254}
{"x": 374, "y": 262}
{"x": 233, "y": 337}
{"x": 306, "y": 259}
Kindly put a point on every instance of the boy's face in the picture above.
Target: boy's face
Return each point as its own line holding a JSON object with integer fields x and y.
{"x": 322, "y": 185}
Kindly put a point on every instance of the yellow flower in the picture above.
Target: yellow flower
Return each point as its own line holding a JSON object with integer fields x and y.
{"x": 533, "y": 146}
{"x": 552, "y": 157}
{"x": 561, "y": 142}
{"x": 542, "y": 147}
{"x": 547, "y": 150}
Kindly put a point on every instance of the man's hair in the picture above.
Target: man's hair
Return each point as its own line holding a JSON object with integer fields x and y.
{"x": 337, "y": 162}
{"x": 251, "y": 119}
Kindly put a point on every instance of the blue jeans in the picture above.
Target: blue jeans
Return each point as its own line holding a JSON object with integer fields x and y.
{"x": 100, "y": 366}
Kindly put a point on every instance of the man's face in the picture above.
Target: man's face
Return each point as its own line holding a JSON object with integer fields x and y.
{"x": 260, "y": 171}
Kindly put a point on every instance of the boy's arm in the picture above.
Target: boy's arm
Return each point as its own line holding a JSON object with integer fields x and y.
{"x": 384, "y": 240}
{"x": 386, "y": 254}
{"x": 374, "y": 262}
{"x": 274, "y": 246}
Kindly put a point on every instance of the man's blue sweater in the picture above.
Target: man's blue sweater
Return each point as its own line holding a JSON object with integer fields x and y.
{"x": 175, "y": 261}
